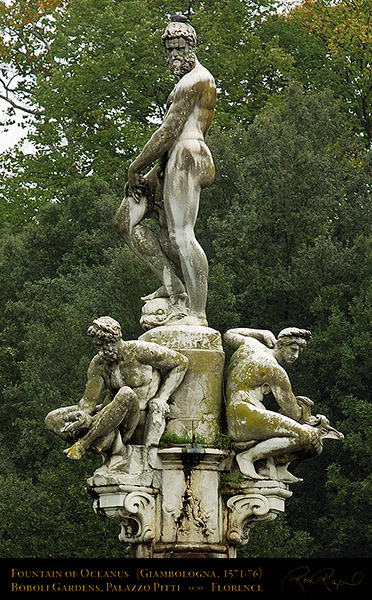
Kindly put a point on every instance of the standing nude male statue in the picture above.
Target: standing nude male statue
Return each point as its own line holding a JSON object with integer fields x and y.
{"x": 136, "y": 378}
{"x": 257, "y": 368}
{"x": 171, "y": 189}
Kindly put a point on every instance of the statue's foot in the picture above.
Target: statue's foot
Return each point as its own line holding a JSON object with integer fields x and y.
{"x": 190, "y": 320}
{"x": 75, "y": 452}
{"x": 247, "y": 469}
{"x": 115, "y": 462}
{"x": 253, "y": 475}
{"x": 285, "y": 476}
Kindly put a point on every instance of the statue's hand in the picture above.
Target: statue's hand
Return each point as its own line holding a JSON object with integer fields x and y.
{"x": 305, "y": 404}
{"x": 137, "y": 184}
{"x": 78, "y": 421}
{"x": 268, "y": 338}
{"x": 159, "y": 404}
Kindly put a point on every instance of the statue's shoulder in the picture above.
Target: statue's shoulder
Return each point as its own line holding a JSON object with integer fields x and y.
{"x": 277, "y": 375}
{"x": 204, "y": 73}
{"x": 249, "y": 350}
{"x": 96, "y": 365}
{"x": 253, "y": 346}
{"x": 198, "y": 76}
{"x": 140, "y": 347}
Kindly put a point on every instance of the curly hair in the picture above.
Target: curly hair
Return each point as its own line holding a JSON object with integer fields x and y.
{"x": 106, "y": 329}
{"x": 287, "y": 335}
{"x": 180, "y": 30}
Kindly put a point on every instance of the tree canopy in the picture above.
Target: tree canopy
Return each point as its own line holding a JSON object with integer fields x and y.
{"x": 286, "y": 227}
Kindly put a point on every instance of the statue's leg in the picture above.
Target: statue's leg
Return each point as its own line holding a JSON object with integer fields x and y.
{"x": 276, "y": 436}
{"x": 262, "y": 450}
{"x": 155, "y": 422}
{"x": 123, "y": 410}
{"x": 182, "y": 185}
{"x": 143, "y": 242}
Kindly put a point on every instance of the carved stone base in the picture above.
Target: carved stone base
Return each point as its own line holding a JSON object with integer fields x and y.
{"x": 251, "y": 503}
{"x": 185, "y": 511}
{"x": 190, "y": 503}
{"x": 196, "y": 406}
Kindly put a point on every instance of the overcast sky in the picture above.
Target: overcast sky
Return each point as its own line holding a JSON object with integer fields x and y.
{"x": 14, "y": 134}
{"x": 11, "y": 137}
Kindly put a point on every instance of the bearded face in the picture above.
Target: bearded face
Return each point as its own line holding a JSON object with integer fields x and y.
{"x": 180, "y": 56}
{"x": 108, "y": 350}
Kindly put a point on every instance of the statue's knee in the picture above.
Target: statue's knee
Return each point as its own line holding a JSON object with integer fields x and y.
{"x": 127, "y": 398}
{"x": 55, "y": 419}
{"x": 49, "y": 420}
{"x": 121, "y": 220}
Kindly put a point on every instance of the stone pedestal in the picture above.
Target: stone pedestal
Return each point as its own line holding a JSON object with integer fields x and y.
{"x": 175, "y": 502}
{"x": 186, "y": 510}
{"x": 191, "y": 509}
{"x": 196, "y": 406}
{"x": 250, "y": 503}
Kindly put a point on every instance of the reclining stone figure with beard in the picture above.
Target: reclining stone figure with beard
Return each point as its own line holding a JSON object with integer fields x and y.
{"x": 138, "y": 378}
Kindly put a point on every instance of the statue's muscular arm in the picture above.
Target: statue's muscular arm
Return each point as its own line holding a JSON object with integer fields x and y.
{"x": 94, "y": 387}
{"x": 280, "y": 385}
{"x": 172, "y": 365}
{"x": 235, "y": 337}
{"x": 166, "y": 135}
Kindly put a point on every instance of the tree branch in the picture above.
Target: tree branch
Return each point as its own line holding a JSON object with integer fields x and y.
{"x": 18, "y": 106}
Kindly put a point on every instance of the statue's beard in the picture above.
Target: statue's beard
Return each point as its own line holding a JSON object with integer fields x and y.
{"x": 109, "y": 355}
{"x": 185, "y": 64}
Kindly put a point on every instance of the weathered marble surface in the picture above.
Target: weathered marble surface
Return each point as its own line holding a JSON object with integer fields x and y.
{"x": 171, "y": 189}
{"x": 196, "y": 407}
{"x": 138, "y": 379}
{"x": 195, "y": 497}
{"x": 275, "y": 438}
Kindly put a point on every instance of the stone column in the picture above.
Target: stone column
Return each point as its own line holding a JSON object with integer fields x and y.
{"x": 191, "y": 511}
{"x": 196, "y": 406}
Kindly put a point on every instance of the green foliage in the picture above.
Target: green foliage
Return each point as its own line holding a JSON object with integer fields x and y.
{"x": 330, "y": 43}
{"x": 270, "y": 199}
{"x": 99, "y": 82}
{"x": 277, "y": 540}
{"x": 37, "y": 526}
{"x": 63, "y": 270}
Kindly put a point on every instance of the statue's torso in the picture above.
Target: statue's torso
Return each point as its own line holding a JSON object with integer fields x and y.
{"x": 249, "y": 375}
{"x": 200, "y": 83}
{"x": 129, "y": 371}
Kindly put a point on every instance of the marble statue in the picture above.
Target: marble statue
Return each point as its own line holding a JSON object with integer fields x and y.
{"x": 182, "y": 499}
{"x": 156, "y": 312}
{"x": 171, "y": 188}
{"x": 136, "y": 379}
{"x": 257, "y": 368}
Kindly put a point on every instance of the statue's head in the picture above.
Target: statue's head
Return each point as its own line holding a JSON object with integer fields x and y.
{"x": 106, "y": 333}
{"x": 179, "y": 39}
{"x": 290, "y": 343}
